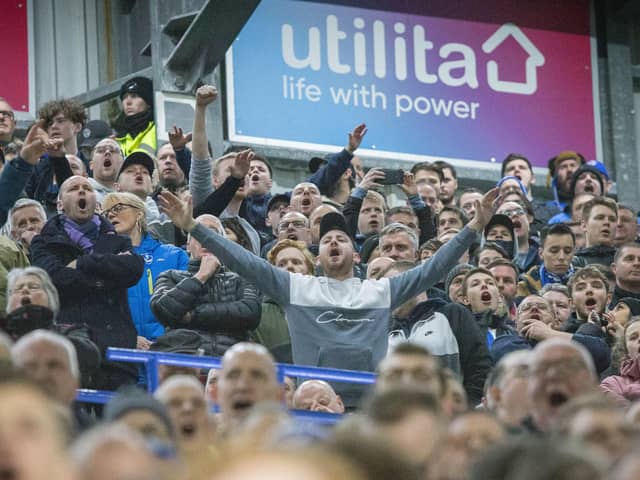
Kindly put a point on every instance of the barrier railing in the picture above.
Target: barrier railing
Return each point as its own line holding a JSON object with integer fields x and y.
{"x": 152, "y": 360}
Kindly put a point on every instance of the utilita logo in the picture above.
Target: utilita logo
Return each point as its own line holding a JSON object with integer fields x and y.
{"x": 426, "y": 66}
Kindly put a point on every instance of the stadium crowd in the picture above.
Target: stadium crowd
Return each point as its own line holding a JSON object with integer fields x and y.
{"x": 504, "y": 329}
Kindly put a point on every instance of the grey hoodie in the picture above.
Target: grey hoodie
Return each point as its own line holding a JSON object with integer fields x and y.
{"x": 333, "y": 323}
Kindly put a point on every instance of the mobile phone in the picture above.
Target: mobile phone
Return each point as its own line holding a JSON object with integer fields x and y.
{"x": 391, "y": 176}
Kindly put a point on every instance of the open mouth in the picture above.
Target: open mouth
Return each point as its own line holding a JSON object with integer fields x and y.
{"x": 25, "y": 301}
{"x": 589, "y": 188}
{"x": 557, "y": 399}
{"x": 590, "y": 302}
{"x": 255, "y": 178}
{"x": 107, "y": 163}
{"x": 517, "y": 225}
{"x": 242, "y": 405}
{"x": 334, "y": 252}
{"x": 485, "y": 296}
{"x": 292, "y": 236}
{"x": 82, "y": 203}
{"x": 188, "y": 430}
{"x": 374, "y": 224}
{"x": 606, "y": 233}
{"x": 306, "y": 202}
{"x": 519, "y": 177}
{"x": 535, "y": 316}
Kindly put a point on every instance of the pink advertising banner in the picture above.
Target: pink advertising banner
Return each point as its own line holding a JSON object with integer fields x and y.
{"x": 458, "y": 83}
{"x": 14, "y": 51}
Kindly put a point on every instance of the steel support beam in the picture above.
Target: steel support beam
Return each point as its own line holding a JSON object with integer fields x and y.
{"x": 110, "y": 90}
{"x": 621, "y": 125}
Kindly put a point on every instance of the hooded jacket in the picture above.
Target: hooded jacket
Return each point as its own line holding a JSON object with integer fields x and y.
{"x": 448, "y": 331}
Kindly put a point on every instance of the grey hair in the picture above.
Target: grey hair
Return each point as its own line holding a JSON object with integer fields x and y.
{"x": 555, "y": 287}
{"x": 24, "y": 203}
{"x": 47, "y": 285}
{"x": 50, "y": 337}
{"x": 400, "y": 228}
{"x": 577, "y": 347}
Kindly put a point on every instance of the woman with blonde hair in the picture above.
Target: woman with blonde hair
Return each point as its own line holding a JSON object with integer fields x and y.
{"x": 126, "y": 212}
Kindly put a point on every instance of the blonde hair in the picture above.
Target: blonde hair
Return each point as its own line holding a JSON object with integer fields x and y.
{"x": 127, "y": 198}
{"x": 309, "y": 259}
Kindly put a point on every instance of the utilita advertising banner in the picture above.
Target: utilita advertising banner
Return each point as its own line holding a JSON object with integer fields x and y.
{"x": 14, "y": 51}
{"x": 472, "y": 86}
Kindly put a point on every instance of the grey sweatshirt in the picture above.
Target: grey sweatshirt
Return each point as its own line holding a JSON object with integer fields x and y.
{"x": 333, "y": 323}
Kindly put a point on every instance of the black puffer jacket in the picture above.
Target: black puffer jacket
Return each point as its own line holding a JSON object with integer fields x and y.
{"x": 223, "y": 309}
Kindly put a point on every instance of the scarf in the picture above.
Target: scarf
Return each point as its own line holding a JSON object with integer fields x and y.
{"x": 134, "y": 124}
{"x": 549, "y": 277}
{"x": 84, "y": 235}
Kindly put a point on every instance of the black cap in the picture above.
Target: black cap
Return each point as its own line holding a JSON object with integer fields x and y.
{"x": 277, "y": 200}
{"x": 315, "y": 163}
{"x": 141, "y": 86}
{"x": 93, "y": 132}
{"x": 499, "y": 219}
{"x": 138, "y": 158}
{"x": 333, "y": 221}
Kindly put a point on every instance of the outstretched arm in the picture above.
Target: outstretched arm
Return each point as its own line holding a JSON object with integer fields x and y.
{"x": 270, "y": 280}
{"x": 420, "y": 278}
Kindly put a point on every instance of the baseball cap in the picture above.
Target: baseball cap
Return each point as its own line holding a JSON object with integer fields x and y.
{"x": 138, "y": 158}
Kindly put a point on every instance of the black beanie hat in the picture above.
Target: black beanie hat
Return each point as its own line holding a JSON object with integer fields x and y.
{"x": 141, "y": 86}
{"x": 632, "y": 303}
{"x": 586, "y": 168}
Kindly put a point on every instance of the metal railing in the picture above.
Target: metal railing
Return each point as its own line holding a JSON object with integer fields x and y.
{"x": 152, "y": 360}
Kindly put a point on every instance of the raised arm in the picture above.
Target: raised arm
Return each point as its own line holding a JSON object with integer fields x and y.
{"x": 266, "y": 277}
{"x": 16, "y": 173}
{"x": 200, "y": 174}
{"x": 420, "y": 278}
{"x": 338, "y": 163}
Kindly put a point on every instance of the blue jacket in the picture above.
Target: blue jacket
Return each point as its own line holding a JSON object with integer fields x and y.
{"x": 158, "y": 257}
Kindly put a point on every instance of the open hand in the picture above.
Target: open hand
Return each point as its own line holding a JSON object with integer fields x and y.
{"x": 355, "y": 137}
{"x": 178, "y": 139}
{"x": 179, "y": 211}
{"x": 241, "y": 164}
{"x": 484, "y": 210}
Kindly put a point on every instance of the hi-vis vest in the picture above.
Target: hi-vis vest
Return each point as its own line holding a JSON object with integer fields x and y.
{"x": 145, "y": 141}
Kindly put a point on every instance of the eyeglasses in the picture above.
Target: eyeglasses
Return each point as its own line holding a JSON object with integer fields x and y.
{"x": 528, "y": 306}
{"x": 6, "y": 113}
{"x": 513, "y": 213}
{"x": 295, "y": 224}
{"x": 107, "y": 148}
{"x": 117, "y": 209}
{"x": 31, "y": 286}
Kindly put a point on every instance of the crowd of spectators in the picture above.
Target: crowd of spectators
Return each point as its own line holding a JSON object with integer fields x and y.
{"x": 504, "y": 329}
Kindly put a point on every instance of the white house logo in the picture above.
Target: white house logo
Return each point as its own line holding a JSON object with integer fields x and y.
{"x": 534, "y": 60}
{"x": 345, "y": 49}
